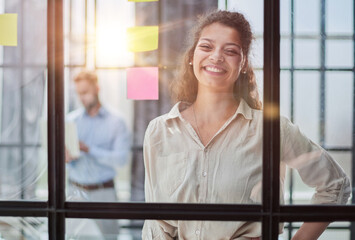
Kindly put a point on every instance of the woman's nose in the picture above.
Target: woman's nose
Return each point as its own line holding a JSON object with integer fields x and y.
{"x": 216, "y": 56}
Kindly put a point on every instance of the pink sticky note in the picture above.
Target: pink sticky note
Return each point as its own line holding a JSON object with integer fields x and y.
{"x": 143, "y": 83}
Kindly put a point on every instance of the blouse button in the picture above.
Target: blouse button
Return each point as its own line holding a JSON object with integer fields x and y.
{"x": 197, "y": 232}
{"x": 204, "y": 174}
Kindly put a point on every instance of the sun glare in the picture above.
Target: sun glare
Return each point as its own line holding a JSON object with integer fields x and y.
{"x": 111, "y": 47}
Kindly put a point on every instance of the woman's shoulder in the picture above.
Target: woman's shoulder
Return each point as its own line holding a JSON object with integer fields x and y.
{"x": 157, "y": 121}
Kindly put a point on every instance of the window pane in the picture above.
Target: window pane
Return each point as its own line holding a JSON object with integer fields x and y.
{"x": 28, "y": 228}
{"x": 322, "y": 100}
{"x": 307, "y": 17}
{"x": 89, "y": 229}
{"x": 307, "y": 108}
{"x": 339, "y": 53}
{"x": 10, "y": 106}
{"x": 339, "y": 109}
{"x": 23, "y": 174}
{"x": 339, "y": 18}
{"x": 23, "y": 103}
{"x": 285, "y": 53}
{"x": 257, "y": 53}
{"x": 285, "y": 94}
{"x": 90, "y": 171}
{"x": 336, "y": 230}
{"x": 297, "y": 192}
{"x": 34, "y": 32}
{"x": 74, "y": 32}
{"x": 307, "y": 53}
{"x": 285, "y": 17}
{"x": 92, "y": 229}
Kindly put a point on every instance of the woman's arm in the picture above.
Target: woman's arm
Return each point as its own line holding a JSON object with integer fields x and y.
{"x": 318, "y": 170}
{"x": 310, "y": 230}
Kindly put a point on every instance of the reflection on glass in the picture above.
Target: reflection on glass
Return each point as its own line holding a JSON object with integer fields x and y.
{"x": 28, "y": 228}
{"x": 93, "y": 229}
{"x": 24, "y": 161}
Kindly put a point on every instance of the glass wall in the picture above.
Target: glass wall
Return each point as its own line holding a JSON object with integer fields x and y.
{"x": 315, "y": 56}
{"x": 23, "y": 79}
{"x": 316, "y": 79}
{"x": 28, "y": 228}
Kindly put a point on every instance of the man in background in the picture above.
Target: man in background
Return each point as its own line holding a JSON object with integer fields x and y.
{"x": 104, "y": 145}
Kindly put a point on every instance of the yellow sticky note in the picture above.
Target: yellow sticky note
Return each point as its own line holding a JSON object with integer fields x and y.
{"x": 8, "y": 29}
{"x": 143, "y": 0}
{"x": 141, "y": 39}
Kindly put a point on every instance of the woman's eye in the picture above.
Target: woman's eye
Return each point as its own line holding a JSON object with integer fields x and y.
{"x": 205, "y": 47}
{"x": 232, "y": 52}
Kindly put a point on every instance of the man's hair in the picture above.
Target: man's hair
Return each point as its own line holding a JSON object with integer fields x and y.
{"x": 86, "y": 75}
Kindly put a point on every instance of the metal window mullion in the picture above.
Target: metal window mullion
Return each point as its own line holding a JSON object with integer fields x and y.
{"x": 322, "y": 75}
{"x": 95, "y": 38}
{"x": 352, "y": 225}
{"x": 22, "y": 102}
{"x": 56, "y": 221}
{"x": 290, "y": 227}
{"x": 271, "y": 120}
{"x": 86, "y": 34}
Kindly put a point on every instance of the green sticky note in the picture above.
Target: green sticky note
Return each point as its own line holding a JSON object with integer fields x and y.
{"x": 8, "y": 29}
{"x": 141, "y": 39}
{"x": 143, "y": 0}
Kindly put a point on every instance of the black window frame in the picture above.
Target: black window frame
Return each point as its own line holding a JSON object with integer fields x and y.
{"x": 270, "y": 212}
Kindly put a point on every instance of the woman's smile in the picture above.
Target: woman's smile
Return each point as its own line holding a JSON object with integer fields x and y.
{"x": 214, "y": 70}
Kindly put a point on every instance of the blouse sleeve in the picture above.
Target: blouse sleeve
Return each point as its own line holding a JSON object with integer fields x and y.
{"x": 153, "y": 229}
{"x": 315, "y": 166}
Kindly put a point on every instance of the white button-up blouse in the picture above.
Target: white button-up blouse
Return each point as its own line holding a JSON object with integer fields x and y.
{"x": 180, "y": 169}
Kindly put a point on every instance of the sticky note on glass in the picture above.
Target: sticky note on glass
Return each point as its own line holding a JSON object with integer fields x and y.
{"x": 143, "y": 83}
{"x": 8, "y": 29}
{"x": 141, "y": 39}
{"x": 142, "y": 0}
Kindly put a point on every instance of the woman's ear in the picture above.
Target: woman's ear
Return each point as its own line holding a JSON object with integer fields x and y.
{"x": 191, "y": 60}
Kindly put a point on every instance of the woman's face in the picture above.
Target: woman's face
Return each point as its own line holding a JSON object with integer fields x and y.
{"x": 218, "y": 57}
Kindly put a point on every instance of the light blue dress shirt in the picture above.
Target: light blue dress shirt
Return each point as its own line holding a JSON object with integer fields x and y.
{"x": 108, "y": 140}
